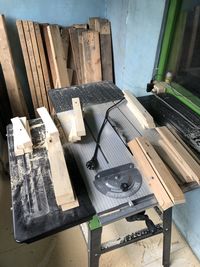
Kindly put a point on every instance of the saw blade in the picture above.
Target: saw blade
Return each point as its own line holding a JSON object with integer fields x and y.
{"x": 119, "y": 182}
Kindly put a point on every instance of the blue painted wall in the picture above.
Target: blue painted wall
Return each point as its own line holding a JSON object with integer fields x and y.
{"x": 135, "y": 29}
{"x": 63, "y": 12}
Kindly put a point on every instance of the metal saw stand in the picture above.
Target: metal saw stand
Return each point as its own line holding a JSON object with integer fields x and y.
{"x": 92, "y": 232}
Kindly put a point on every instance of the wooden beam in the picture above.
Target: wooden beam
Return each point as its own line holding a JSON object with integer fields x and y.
{"x": 163, "y": 174}
{"x": 78, "y": 116}
{"x": 140, "y": 113}
{"x": 38, "y": 65}
{"x": 65, "y": 41}
{"x": 22, "y": 139}
{"x": 27, "y": 63}
{"x": 17, "y": 101}
{"x": 150, "y": 176}
{"x": 60, "y": 177}
{"x": 91, "y": 57}
{"x": 44, "y": 64}
{"x": 58, "y": 55}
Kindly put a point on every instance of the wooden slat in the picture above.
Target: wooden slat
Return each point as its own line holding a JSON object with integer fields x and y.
{"x": 61, "y": 181}
{"x": 14, "y": 90}
{"x": 91, "y": 57}
{"x": 162, "y": 172}
{"x": 78, "y": 116}
{"x": 140, "y": 113}
{"x": 62, "y": 79}
{"x": 80, "y": 26}
{"x": 38, "y": 65}
{"x": 32, "y": 62}
{"x": 190, "y": 166}
{"x": 104, "y": 28}
{"x": 45, "y": 68}
{"x": 65, "y": 41}
{"x": 27, "y": 63}
{"x": 150, "y": 176}
{"x": 49, "y": 54}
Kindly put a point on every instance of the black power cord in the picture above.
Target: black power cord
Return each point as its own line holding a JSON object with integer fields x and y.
{"x": 92, "y": 164}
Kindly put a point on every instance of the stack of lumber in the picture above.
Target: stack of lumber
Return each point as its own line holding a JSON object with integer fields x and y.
{"x": 58, "y": 57}
{"x": 17, "y": 102}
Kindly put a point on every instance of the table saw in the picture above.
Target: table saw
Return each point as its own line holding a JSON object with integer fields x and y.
{"x": 101, "y": 201}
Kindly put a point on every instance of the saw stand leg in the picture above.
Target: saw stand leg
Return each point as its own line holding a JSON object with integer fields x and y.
{"x": 167, "y": 227}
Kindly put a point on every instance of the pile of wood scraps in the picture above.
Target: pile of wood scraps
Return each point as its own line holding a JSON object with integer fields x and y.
{"x": 163, "y": 158}
{"x": 64, "y": 194}
{"x": 58, "y": 56}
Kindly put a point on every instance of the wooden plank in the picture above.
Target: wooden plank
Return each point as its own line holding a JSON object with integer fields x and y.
{"x": 62, "y": 79}
{"x": 27, "y": 63}
{"x": 61, "y": 181}
{"x": 104, "y": 28}
{"x": 22, "y": 139}
{"x": 44, "y": 64}
{"x": 78, "y": 116}
{"x": 91, "y": 57}
{"x": 188, "y": 163}
{"x": 80, "y": 26}
{"x": 150, "y": 176}
{"x": 13, "y": 86}
{"x": 161, "y": 171}
{"x": 141, "y": 114}
{"x": 49, "y": 54}
{"x": 32, "y": 62}
{"x": 70, "y": 75}
{"x": 65, "y": 41}
{"x": 38, "y": 65}
{"x": 74, "y": 39}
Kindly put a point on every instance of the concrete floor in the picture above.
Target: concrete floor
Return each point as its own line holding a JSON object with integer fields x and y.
{"x": 68, "y": 249}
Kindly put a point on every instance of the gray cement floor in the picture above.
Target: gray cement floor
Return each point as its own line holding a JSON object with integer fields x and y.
{"x": 68, "y": 249}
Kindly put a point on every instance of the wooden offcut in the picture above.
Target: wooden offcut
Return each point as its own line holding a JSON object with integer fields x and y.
{"x": 91, "y": 57}
{"x": 140, "y": 113}
{"x": 78, "y": 116}
{"x": 60, "y": 177}
{"x": 58, "y": 56}
{"x": 150, "y": 176}
{"x": 162, "y": 172}
{"x": 13, "y": 86}
{"x": 22, "y": 139}
{"x": 104, "y": 29}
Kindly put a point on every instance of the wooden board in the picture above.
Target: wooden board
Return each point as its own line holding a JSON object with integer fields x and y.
{"x": 22, "y": 139}
{"x": 104, "y": 28}
{"x": 150, "y": 176}
{"x": 44, "y": 64}
{"x": 187, "y": 162}
{"x": 91, "y": 57}
{"x": 49, "y": 54}
{"x": 65, "y": 41}
{"x": 78, "y": 116}
{"x": 32, "y": 62}
{"x": 13, "y": 86}
{"x": 38, "y": 65}
{"x": 60, "y": 177}
{"x": 27, "y": 63}
{"x": 74, "y": 39}
{"x": 58, "y": 55}
{"x": 163, "y": 174}
{"x": 140, "y": 113}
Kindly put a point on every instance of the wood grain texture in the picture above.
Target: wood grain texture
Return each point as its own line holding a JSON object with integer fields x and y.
{"x": 163, "y": 174}
{"x": 17, "y": 101}
{"x": 78, "y": 117}
{"x": 58, "y": 56}
{"x": 150, "y": 175}
{"x": 91, "y": 57}
{"x": 27, "y": 63}
{"x": 32, "y": 62}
